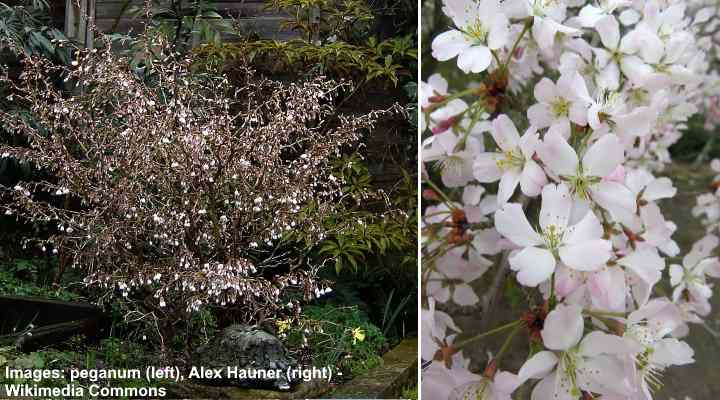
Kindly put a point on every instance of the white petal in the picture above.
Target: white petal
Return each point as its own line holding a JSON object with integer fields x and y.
{"x": 672, "y": 352}
{"x": 603, "y": 156}
{"x": 534, "y": 265}
{"x": 646, "y": 263}
{"x": 556, "y": 206}
{"x": 539, "y": 115}
{"x": 485, "y": 168}
{"x": 609, "y": 31}
{"x": 545, "y": 91}
{"x": 475, "y": 59}
{"x": 538, "y": 366}
{"x": 504, "y": 132}
{"x": 508, "y": 183}
{"x": 588, "y": 228}
{"x": 598, "y": 342}
{"x": 532, "y": 179}
{"x": 449, "y": 44}
{"x": 563, "y": 327}
{"x": 512, "y": 223}
{"x": 586, "y": 256}
{"x": 661, "y": 188}
{"x": 614, "y": 197}
{"x": 464, "y": 295}
{"x": 558, "y": 155}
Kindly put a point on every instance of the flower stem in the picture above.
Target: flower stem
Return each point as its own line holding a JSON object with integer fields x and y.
{"x": 442, "y": 194}
{"x": 506, "y": 345}
{"x": 526, "y": 28}
{"x": 514, "y": 324}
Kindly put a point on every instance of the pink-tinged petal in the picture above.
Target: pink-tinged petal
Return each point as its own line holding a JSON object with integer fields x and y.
{"x": 637, "y": 179}
{"x": 512, "y": 223}
{"x": 499, "y": 31}
{"x": 635, "y": 69}
{"x": 539, "y": 115}
{"x": 672, "y": 352}
{"x": 572, "y": 86}
{"x": 608, "y": 289}
{"x": 437, "y": 290}
{"x": 593, "y": 117}
{"x": 711, "y": 267}
{"x": 534, "y": 265}
{"x": 609, "y": 76}
{"x": 578, "y": 113}
{"x": 559, "y": 128}
{"x": 646, "y": 263}
{"x": 504, "y": 132}
{"x": 472, "y": 194}
{"x": 676, "y": 274}
{"x": 609, "y": 30}
{"x": 558, "y": 155}
{"x": 604, "y": 375}
{"x": 508, "y": 183}
{"x": 485, "y": 167}
{"x": 529, "y": 142}
{"x": 449, "y": 44}
{"x": 618, "y": 175}
{"x": 563, "y": 327}
{"x": 603, "y": 156}
{"x": 485, "y": 241}
{"x": 438, "y": 83}
{"x": 588, "y": 228}
{"x": 538, "y": 366}
{"x": 532, "y": 179}
{"x": 636, "y": 123}
{"x": 614, "y": 197}
{"x": 464, "y": 295}
{"x": 586, "y": 256}
{"x": 475, "y": 59}
{"x": 506, "y": 383}
{"x": 550, "y": 388}
{"x": 556, "y": 206}
{"x": 700, "y": 249}
{"x": 598, "y": 342}
{"x": 545, "y": 91}
{"x": 566, "y": 281}
{"x": 660, "y": 188}
{"x": 544, "y": 32}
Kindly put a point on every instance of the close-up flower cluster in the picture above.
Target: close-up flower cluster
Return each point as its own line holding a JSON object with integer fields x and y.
{"x": 546, "y": 166}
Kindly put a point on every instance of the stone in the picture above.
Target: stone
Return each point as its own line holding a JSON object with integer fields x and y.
{"x": 244, "y": 356}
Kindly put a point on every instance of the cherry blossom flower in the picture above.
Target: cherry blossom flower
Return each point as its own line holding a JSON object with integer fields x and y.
{"x": 561, "y": 103}
{"x": 572, "y": 363}
{"x": 585, "y": 179}
{"x": 514, "y": 164}
{"x": 579, "y": 246}
{"x": 481, "y": 28}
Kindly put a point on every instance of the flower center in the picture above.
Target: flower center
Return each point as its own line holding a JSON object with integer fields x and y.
{"x": 478, "y": 31}
{"x": 509, "y": 160}
{"x": 552, "y": 236}
{"x": 560, "y": 107}
{"x": 580, "y": 183}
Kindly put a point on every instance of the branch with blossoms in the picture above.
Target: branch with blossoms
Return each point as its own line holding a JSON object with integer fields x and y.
{"x": 566, "y": 189}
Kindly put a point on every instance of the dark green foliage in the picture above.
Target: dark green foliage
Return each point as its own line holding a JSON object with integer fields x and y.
{"x": 330, "y": 333}
{"x": 24, "y": 29}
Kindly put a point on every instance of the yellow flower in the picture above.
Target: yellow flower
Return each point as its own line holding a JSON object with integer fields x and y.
{"x": 358, "y": 335}
{"x": 283, "y": 325}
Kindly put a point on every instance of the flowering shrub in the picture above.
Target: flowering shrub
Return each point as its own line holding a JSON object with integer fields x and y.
{"x": 176, "y": 187}
{"x": 564, "y": 192}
